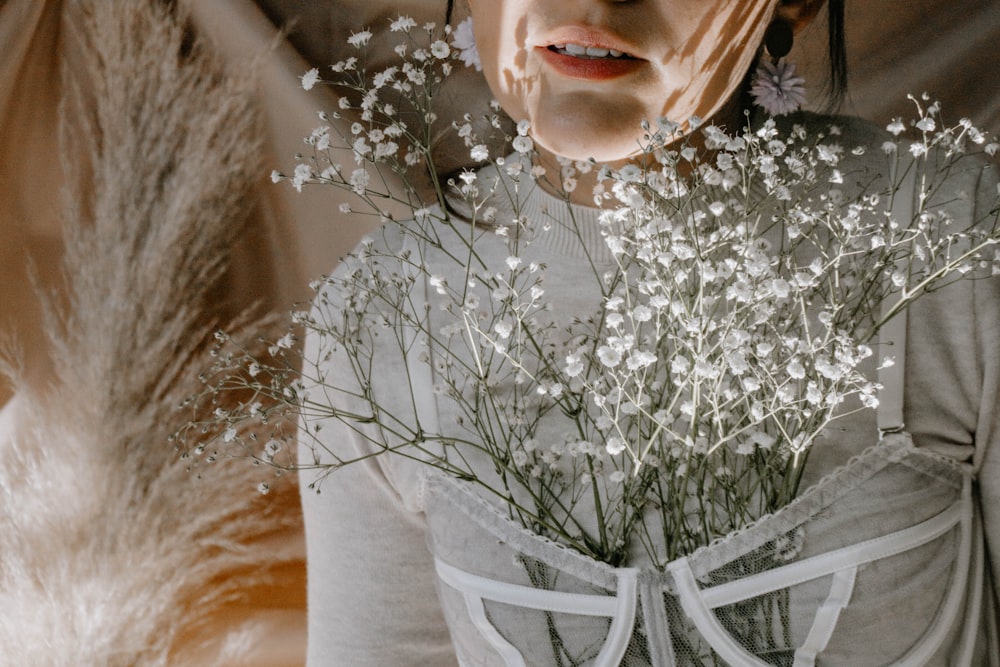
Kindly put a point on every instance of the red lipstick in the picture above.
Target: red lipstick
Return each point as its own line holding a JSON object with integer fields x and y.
{"x": 554, "y": 51}
{"x": 594, "y": 69}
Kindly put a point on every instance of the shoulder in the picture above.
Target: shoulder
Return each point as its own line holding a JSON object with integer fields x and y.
{"x": 951, "y": 162}
{"x": 847, "y": 131}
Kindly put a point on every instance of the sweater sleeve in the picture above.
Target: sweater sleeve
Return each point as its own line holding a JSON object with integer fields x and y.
{"x": 371, "y": 596}
{"x": 371, "y": 591}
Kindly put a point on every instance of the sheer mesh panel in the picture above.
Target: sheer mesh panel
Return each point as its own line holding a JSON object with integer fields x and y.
{"x": 877, "y": 555}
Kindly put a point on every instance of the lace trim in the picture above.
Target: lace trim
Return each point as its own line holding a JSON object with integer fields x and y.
{"x": 460, "y": 496}
{"x": 893, "y": 449}
{"x": 896, "y": 448}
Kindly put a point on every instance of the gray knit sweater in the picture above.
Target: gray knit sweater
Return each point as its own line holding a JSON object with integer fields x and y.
{"x": 373, "y": 590}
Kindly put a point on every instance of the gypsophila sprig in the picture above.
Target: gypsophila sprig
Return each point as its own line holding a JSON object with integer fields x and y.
{"x": 735, "y": 317}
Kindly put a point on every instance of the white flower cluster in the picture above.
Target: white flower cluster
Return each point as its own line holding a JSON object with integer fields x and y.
{"x": 384, "y": 104}
{"x": 752, "y": 273}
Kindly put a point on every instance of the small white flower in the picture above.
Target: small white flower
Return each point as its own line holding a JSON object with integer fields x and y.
{"x": 303, "y": 173}
{"x": 440, "y": 49}
{"x": 640, "y": 359}
{"x": 464, "y": 40}
{"x": 630, "y": 173}
{"x": 402, "y": 24}
{"x": 796, "y": 369}
{"x": 609, "y": 356}
{"x": 614, "y": 446}
{"x": 737, "y": 362}
{"x": 706, "y": 369}
{"x": 272, "y": 447}
{"x": 310, "y": 78}
{"x": 503, "y": 329}
{"x": 680, "y": 365}
{"x": 642, "y": 314}
{"x": 359, "y": 39}
{"x": 438, "y": 283}
{"x": 479, "y": 153}
{"x": 574, "y": 365}
{"x": 359, "y": 180}
{"x": 781, "y": 288}
{"x": 522, "y": 144}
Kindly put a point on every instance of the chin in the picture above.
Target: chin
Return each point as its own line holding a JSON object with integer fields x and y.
{"x": 582, "y": 124}
{"x": 583, "y": 144}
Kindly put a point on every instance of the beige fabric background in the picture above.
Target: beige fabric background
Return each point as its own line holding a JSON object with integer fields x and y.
{"x": 896, "y": 46}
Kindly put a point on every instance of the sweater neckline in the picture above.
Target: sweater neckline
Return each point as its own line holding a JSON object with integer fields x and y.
{"x": 564, "y": 228}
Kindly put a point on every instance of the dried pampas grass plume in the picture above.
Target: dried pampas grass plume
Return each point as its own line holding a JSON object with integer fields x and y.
{"x": 110, "y": 550}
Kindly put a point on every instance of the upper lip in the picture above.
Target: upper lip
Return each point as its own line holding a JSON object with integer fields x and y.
{"x": 587, "y": 36}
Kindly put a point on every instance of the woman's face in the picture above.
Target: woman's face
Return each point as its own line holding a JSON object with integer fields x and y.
{"x": 557, "y": 63}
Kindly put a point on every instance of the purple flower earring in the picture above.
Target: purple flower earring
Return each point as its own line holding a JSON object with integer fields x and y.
{"x": 776, "y": 89}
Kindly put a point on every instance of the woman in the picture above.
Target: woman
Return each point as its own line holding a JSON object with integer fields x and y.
{"x": 378, "y": 596}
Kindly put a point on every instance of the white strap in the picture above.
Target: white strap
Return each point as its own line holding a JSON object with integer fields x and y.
{"x": 973, "y": 609}
{"x": 621, "y": 608}
{"x": 698, "y": 603}
{"x": 623, "y": 623}
{"x": 934, "y": 638}
{"x": 526, "y": 596}
{"x": 657, "y": 625}
{"x": 477, "y": 612}
{"x": 891, "y": 378}
{"x": 694, "y": 606}
{"x": 825, "y": 621}
{"x": 827, "y": 563}
{"x": 893, "y": 333}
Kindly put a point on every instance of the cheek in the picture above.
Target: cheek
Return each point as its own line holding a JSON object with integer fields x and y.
{"x": 714, "y": 60}
{"x": 501, "y": 35}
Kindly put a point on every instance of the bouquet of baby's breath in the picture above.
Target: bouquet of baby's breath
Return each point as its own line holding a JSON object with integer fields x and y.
{"x": 750, "y": 275}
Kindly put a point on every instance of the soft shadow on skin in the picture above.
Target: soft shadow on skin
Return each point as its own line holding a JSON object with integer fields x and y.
{"x": 522, "y": 85}
{"x": 716, "y": 61}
